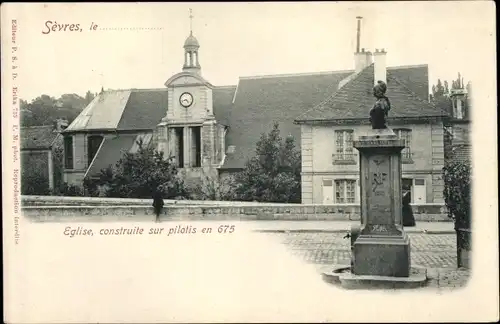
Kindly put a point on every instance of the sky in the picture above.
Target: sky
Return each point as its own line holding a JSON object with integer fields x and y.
{"x": 241, "y": 39}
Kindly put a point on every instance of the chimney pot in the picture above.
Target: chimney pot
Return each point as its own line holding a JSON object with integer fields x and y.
{"x": 363, "y": 50}
{"x": 380, "y": 66}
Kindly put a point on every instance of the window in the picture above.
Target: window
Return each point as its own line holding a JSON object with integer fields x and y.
{"x": 195, "y": 147}
{"x": 405, "y": 134}
{"x": 344, "y": 150}
{"x": 93, "y": 144}
{"x": 345, "y": 191}
{"x": 68, "y": 152}
{"x": 327, "y": 192}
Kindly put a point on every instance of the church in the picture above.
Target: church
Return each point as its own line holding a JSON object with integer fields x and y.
{"x": 212, "y": 130}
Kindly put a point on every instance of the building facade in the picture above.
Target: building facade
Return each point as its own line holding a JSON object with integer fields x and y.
{"x": 41, "y": 158}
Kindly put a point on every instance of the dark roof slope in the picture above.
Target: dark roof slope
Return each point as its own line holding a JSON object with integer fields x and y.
{"x": 462, "y": 152}
{"x": 144, "y": 109}
{"x": 261, "y": 101}
{"x": 223, "y": 103}
{"x": 354, "y": 100}
{"x": 110, "y": 152}
{"x": 38, "y": 137}
{"x": 414, "y": 77}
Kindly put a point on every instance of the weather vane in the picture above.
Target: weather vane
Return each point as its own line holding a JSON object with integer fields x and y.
{"x": 191, "y": 20}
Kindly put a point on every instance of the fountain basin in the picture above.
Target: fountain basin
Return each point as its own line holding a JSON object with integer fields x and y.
{"x": 342, "y": 276}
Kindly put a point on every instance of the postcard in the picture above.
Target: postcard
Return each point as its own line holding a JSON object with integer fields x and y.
{"x": 249, "y": 162}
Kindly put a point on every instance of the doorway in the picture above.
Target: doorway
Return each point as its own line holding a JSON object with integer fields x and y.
{"x": 407, "y": 185}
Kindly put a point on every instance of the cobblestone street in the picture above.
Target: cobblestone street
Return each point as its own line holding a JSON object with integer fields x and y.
{"x": 436, "y": 252}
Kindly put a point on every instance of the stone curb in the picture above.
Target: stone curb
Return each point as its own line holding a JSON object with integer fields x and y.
{"x": 345, "y": 231}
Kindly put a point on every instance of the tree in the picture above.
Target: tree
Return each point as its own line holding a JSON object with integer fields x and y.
{"x": 273, "y": 174}
{"x": 89, "y": 96}
{"x": 213, "y": 188}
{"x": 138, "y": 175}
{"x": 44, "y": 109}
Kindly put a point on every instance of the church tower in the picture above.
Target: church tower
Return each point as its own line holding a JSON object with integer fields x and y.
{"x": 188, "y": 131}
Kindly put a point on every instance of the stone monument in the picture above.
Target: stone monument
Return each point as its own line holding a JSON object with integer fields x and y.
{"x": 381, "y": 248}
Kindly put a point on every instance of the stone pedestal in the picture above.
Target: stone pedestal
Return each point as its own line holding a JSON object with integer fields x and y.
{"x": 382, "y": 247}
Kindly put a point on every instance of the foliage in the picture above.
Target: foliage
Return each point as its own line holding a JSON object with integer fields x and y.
{"x": 70, "y": 190}
{"x": 213, "y": 188}
{"x": 45, "y": 109}
{"x": 138, "y": 175}
{"x": 34, "y": 183}
{"x": 440, "y": 96}
{"x": 457, "y": 192}
{"x": 273, "y": 174}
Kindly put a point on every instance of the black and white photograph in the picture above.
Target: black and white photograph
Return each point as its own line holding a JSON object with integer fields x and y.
{"x": 249, "y": 162}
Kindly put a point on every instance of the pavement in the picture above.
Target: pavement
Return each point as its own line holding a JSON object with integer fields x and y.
{"x": 322, "y": 244}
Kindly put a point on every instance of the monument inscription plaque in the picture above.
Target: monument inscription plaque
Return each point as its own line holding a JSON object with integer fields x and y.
{"x": 379, "y": 195}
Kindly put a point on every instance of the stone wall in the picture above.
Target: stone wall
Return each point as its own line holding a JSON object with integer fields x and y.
{"x": 188, "y": 210}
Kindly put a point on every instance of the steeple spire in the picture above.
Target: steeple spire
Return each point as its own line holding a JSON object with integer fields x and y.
{"x": 191, "y": 47}
{"x": 191, "y": 21}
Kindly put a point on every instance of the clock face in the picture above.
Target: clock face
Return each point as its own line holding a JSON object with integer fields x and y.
{"x": 186, "y": 99}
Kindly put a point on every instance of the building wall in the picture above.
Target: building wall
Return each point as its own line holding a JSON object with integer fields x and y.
{"x": 318, "y": 147}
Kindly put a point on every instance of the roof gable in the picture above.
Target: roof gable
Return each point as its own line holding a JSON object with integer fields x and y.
{"x": 187, "y": 78}
{"x": 355, "y": 99}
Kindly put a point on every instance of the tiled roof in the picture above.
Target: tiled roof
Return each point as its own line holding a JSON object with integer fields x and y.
{"x": 138, "y": 109}
{"x": 144, "y": 109}
{"x": 110, "y": 152}
{"x": 414, "y": 77}
{"x": 462, "y": 152}
{"x": 355, "y": 99}
{"x": 104, "y": 112}
{"x": 37, "y": 137}
{"x": 261, "y": 101}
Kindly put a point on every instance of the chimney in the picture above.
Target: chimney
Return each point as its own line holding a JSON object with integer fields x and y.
{"x": 358, "y": 35}
{"x": 380, "y": 66}
{"x": 361, "y": 58}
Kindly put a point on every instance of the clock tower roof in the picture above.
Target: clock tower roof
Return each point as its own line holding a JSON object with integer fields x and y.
{"x": 191, "y": 41}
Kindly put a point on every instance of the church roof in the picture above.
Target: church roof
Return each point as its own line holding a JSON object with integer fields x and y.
{"x": 354, "y": 100}
{"x": 37, "y": 137}
{"x": 251, "y": 107}
{"x": 261, "y": 101}
{"x": 129, "y": 109}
